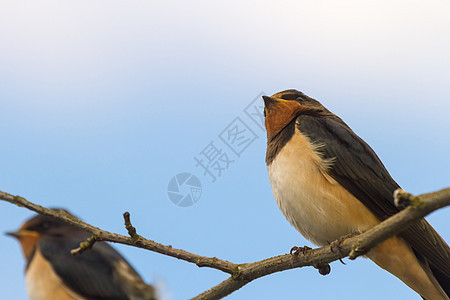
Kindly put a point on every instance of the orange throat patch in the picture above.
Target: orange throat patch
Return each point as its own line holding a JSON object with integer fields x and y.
{"x": 279, "y": 114}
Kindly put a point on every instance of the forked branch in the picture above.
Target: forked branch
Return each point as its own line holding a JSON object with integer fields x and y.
{"x": 417, "y": 207}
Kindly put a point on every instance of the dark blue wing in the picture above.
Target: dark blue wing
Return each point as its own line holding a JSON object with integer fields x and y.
{"x": 94, "y": 273}
{"x": 359, "y": 170}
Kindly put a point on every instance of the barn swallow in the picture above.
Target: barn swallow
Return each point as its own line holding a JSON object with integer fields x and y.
{"x": 329, "y": 183}
{"x": 52, "y": 272}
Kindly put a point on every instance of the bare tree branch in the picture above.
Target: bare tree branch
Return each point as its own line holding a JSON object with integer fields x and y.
{"x": 130, "y": 228}
{"x": 242, "y": 274}
{"x": 86, "y": 245}
{"x": 419, "y": 207}
{"x": 139, "y": 241}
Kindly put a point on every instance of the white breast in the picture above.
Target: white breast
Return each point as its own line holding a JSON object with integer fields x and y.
{"x": 316, "y": 205}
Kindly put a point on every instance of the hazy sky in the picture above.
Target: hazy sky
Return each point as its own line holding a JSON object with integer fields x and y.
{"x": 103, "y": 102}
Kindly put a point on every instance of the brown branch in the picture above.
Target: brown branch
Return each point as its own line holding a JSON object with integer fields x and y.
{"x": 131, "y": 230}
{"x": 93, "y": 238}
{"x": 352, "y": 247}
{"x": 140, "y": 242}
{"x": 85, "y": 245}
{"x": 419, "y": 207}
{"x": 242, "y": 274}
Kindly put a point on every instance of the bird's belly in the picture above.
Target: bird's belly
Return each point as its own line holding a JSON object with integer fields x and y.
{"x": 315, "y": 204}
{"x": 42, "y": 282}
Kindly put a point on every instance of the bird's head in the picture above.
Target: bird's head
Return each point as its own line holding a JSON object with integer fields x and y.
{"x": 281, "y": 108}
{"x": 37, "y": 227}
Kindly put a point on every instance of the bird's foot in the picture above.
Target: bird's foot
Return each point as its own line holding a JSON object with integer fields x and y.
{"x": 324, "y": 269}
{"x": 335, "y": 246}
{"x": 295, "y": 251}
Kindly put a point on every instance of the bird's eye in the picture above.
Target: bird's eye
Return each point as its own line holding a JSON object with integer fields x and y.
{"x": 264, "y": 112}
{"x": 45, "y": 225}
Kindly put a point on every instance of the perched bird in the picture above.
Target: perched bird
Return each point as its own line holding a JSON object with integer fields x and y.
{"x": 329, "y": 183}
{"x": 53, "y": 273}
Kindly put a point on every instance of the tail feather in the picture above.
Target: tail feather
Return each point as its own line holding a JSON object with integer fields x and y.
{"x": 443, "y": 281}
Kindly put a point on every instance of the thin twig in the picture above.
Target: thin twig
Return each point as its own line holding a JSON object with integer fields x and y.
{"x": 140, "y": 242}
{"x": 131, "y": 230}
{"x": 242, "y": 274}
{"x": 85, "y": 245}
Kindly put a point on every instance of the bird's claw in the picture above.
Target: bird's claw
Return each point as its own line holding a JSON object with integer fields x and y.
{"x": 335, "y": 246}
{"x": 295, "y": 251}
{"x": 324, "y": 269}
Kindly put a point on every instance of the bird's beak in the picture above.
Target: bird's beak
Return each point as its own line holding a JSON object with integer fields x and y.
{"x": 269, "y": 101}
{"x": 15, "y": 234}
{"x": 22, "y": 233}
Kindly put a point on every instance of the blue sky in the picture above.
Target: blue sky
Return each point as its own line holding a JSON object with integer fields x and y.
{"x": 103, "y": 102}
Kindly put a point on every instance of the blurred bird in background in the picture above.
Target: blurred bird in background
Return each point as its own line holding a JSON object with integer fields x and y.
{"x": 52, "y": 272}
{"x": 329, "y": 183}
